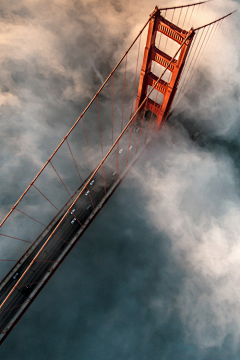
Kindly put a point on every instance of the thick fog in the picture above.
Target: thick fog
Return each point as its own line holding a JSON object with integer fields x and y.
{"x": 156, "y": 275}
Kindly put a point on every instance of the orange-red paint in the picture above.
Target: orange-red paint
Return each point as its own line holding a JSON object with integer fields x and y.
{"x": 159, "y": 24}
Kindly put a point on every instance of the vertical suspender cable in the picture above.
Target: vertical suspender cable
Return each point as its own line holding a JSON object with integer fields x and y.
{"x": 100, "y": 125}
{"x": 167, "y": 37}
{"x": 190, "y": 16}
{"x": 45, "y": 197}
{"x": 124, "y": 91}
{"x": 73, "y": 159}
{"x": 101, "y": 144}
{"x": 185, "y": 17}
{"x": 87, "y": 144}
{"x": 112, "y": 107}
{"x": 185, "y": 73}
{"x": 179, "y": 16}
{"x": 141, "y": 128}
{"x": 133, "y": 99}
{"x": 136, "y": 74}
{"x": 193, "y": 67}
{"x": 60, "y": 178}
{"x": 190, "y": 69}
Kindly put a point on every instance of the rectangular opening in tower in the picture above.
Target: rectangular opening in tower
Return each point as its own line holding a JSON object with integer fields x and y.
{"x": 158, "y": 69}
{"x": 155, "y": 95}
{"x": 166, "y": 44}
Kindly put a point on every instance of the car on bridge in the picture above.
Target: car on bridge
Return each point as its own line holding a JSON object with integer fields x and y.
{"x": 15, "y": 276}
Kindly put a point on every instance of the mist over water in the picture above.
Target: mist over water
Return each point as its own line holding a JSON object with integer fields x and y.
{"x": 156, "y": 276}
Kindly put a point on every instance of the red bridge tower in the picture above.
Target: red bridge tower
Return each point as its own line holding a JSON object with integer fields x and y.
{"x": 152, "y": 54}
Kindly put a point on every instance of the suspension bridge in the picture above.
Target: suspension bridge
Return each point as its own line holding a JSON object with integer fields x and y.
{"x": 95, "y": 155}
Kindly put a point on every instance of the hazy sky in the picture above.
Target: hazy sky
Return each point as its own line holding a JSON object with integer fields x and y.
{"x": 161, "y": 281}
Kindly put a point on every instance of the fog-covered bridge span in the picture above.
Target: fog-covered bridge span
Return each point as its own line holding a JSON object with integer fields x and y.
{"x": 98, "y": 151}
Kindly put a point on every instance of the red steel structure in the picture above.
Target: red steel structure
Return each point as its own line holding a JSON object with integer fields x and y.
{"x": 152, "y": 54}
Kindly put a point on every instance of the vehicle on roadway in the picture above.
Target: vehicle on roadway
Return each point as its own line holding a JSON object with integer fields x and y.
{"x": 15, "y": 276}
{"x": 87, "y": 192}
{"x": 114, "y": 173}
{"x": 130, "y": 147}
{"x": 73, "y": 221}
{"x": 120, "y": 151}
{"x": 91, "y": 183}
{"x": 89, "y": 206}
{"x": 72, "y": 211}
